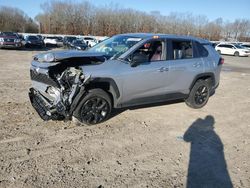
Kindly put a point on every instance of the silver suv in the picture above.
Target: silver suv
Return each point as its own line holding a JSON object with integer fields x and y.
{"x": 124, "y": 70}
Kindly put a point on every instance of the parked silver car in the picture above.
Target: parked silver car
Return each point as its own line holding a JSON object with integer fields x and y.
{"x": 124, "y": 70}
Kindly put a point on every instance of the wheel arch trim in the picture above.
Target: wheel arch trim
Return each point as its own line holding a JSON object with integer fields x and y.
{"x": 202, "y": 76}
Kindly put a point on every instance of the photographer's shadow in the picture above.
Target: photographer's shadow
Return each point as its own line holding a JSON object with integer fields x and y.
{"x": 207, "y": 165}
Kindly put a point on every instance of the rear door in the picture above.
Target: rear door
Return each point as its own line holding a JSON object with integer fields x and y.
{"x": 184, "y": 65}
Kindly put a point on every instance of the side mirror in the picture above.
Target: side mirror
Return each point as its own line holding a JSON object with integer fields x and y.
{"x": 137, "y": 59}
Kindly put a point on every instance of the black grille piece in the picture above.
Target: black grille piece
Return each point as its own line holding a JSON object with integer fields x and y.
{"x": 38, "y": 102}
{"x": 42, "y": 78}
{"x": 9, "y": 40}
{"x": 39, "y": 105}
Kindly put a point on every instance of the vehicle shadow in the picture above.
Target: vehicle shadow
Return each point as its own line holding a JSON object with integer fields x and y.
{"x": 207, "y": 165}
{"x": 35, "y": 49}
{"x": 118, "y": 111}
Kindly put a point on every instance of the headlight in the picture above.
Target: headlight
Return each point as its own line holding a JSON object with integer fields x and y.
{"x": 48, "y": 57}
{"x": 17, "y": 40}
{"x": 78, "y": 47}
{"x": 1, "y": 40}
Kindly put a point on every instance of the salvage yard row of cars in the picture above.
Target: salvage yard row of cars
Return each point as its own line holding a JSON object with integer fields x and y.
{"x": 17, "y": 41}
{"x": 14, "y": 40}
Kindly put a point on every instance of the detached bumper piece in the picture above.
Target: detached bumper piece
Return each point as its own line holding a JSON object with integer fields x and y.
{"x": 42, "y": 106}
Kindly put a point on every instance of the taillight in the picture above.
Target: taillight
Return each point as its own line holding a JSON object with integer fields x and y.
{"x": 221, "y": 61}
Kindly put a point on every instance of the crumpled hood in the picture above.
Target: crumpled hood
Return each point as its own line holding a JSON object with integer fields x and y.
{"x": 56, "y": 56}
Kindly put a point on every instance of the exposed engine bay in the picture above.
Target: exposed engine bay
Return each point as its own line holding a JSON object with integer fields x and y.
{"x": 58, "y": 87}
{"x": 57, "y": 103}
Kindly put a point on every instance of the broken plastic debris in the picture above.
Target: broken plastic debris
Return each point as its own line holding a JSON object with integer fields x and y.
{"x": 180, "y": 138}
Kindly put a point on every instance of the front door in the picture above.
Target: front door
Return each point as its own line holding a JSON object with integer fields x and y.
{"x": 149, "y": 79}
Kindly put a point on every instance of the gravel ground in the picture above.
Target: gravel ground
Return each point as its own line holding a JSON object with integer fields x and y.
{"x": 159, "y": 146}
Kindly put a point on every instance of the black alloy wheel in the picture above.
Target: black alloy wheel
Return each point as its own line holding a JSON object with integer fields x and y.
{"x": 201, "y": 95}
{"x": 94, "y": 110}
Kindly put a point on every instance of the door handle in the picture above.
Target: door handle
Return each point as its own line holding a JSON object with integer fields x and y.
{"x": 163, "y": 69}
{"x": 196, "y": 64}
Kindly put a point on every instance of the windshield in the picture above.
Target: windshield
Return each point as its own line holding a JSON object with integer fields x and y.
{"x": 245, "y": 45}
{"x": 115, "y": 46}
{"x": 78, "y": 42}
{"x": 238, "y": 46}
{"x": 70, "y": 39}
{"x": 32, "y": 38}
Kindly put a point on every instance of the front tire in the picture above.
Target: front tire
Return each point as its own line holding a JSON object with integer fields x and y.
{"x": 219, "y": 52}
{"x": 199, "y": 95}
{"x": 237, "y": 54}
{"x": 94, "y": 108}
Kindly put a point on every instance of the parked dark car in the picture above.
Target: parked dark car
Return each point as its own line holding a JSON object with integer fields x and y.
{"x": 10, "y": 40}
{"x": 33, "y": 42}
{"x": 67, "y": 41}
{"x": 78, "y": 45}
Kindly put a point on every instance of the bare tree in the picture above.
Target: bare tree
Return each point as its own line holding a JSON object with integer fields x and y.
{"x": 13, "y": 19}
{"x": 67, "y": 17}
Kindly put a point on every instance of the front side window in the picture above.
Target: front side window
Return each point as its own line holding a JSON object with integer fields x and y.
{"x": 150, "y": 51}
{"x": 182, "y": 49}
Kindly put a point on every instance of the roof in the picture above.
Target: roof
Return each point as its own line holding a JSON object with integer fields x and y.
{"x": 161, "y": 35}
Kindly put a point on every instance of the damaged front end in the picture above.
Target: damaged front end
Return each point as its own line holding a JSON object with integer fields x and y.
{"x": 58, "y": 86}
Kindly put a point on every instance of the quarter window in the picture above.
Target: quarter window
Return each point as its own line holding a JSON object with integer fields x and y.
{"x": 202, "y": 52}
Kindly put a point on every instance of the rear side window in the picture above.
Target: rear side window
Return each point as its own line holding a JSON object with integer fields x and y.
{"x": 202, "y": 52}
{"x": 182, "y": 49}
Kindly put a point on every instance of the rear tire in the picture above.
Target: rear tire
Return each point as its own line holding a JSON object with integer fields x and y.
{"x": 237, "y": 54}
{"x": 199, "y": 94}
{"x": 94, "y": 108}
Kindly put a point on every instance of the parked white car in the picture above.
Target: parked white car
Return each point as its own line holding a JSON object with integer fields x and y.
{"x": 232, "y": 49}
{"x": 90, "y": 41}
{"x": 50, "y": 41}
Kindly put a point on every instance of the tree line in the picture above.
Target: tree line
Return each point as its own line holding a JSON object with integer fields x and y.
{"x": 13, "y": 19}
{"x": 65, "y": 17}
